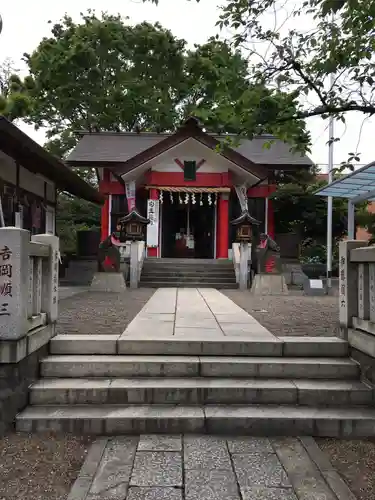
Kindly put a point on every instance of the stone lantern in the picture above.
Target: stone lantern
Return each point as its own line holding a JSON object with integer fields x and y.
{"x": 244, "y": 224}
{"x": 133, "y": 226}
{"x": 244, "y": 235}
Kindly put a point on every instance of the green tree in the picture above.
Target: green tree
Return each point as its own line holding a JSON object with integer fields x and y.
{"x": 102, "y": 74}
{"x": 15, "y": 100}
{"x": 341, "y": 42}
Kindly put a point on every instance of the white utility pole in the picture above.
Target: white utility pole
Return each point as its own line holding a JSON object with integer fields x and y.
{"x": 330, "y": 203}
{"x": 330, "y": 199}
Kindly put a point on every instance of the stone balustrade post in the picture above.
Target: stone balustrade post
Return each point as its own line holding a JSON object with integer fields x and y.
{"x": 50, "y": 276}
{"x": 244, "y": 265}
{"x": 348, "y": 285}
{"x": 14, "y": 270}
{"x": 134, "y": 264}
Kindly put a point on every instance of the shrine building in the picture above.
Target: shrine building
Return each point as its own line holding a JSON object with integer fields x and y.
{"x": 186, "y": 183}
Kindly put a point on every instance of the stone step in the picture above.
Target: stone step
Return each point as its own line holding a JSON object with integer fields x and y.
{"x": 215, "y": 346}
{"x": 256, "y": 420}
{"x": 176, "y": 283}
{"x": 75, "y": 366}
{"x": 199, "y": 391}
{"x": 188, "y": 262}
{"x": 188, "y": 279}
{"x": 189, "y": 270}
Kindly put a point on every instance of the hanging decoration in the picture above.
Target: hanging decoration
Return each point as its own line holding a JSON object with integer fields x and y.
{"x": 209, "y": 199}
{"x": 179, "y": 198}
{"x": 171, "y": 197}
{"x": 201, "y": 200}
{"x": 215, "y": 202}
{"x": 161, "y": 197}
{"x": 186, "y": 198}
{"x": 193, "y": 200}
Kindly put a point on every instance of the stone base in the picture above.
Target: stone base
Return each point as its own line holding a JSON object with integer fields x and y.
{"x": 108, "y": 282}
{"x": 15, "y": 379}
{"x": 269, "y": 284}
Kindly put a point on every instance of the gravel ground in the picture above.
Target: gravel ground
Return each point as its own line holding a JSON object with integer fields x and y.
{"x": 355, "y": 461}
{"x": 291, "y": 314}
{"x": 41, "y": 466}
{"x": 100, "y": 313}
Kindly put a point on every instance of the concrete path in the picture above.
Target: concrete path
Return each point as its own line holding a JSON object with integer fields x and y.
{"x": 69, "y": 291}
{"x": 202, "y": 312}
{"x": 174, "y": 467}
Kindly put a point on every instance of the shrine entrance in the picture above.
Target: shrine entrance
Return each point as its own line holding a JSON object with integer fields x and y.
{"x": 188, "y": 226}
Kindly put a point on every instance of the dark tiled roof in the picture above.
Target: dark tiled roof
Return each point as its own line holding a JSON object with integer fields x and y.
{"x": 119, "y": 147}
{"x": 29, "y": 154}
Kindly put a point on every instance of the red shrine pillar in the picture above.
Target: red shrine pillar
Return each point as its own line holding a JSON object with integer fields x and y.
{"x": 223, "y": 226}
{"x": 271, "y": 213}
{"x": 153, "y": 195}
{"x": 104, "y": 220}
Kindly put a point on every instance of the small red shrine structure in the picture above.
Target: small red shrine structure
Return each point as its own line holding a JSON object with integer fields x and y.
{"x": 185, "y": 184}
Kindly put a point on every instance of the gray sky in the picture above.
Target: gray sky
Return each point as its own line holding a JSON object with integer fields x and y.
{"x": 25, "y": 24}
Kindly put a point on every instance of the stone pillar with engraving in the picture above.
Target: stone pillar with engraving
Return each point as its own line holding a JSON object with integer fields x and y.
{"x": 14, "y": 274}
{"x": 349, "y": 292}
{"x": 50, "y": 276}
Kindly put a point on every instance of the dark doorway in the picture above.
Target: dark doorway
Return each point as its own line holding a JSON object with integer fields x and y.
{"x": 180, "y": 220}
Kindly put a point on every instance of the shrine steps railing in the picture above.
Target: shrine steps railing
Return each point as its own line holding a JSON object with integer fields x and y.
{"x": 29, "y": 267}
{"x": 357, "y": 301}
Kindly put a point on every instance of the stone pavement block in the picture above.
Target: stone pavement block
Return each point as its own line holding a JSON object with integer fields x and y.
{"x": 194, "y": 322}
{"x": 338, "y": 485}
{"x": 249, "y": 446}
{"x": 243, "y": 318}
{"x": 312, "y": 488}
{"x": 154, "y": 442}
{"x": 114, "y": 470}
{"x": 197, "y": 332}
{"x": 80, "y": 488}
{"x": 262, "y": 470}
{"x": 251, "y": 329}
{"x": 150, "y": 327}
{"x": 206, "y": 452}
{"x": 157, "y": 468}
{"x": 117, "y": 492}
{"x": 293, "y": 456}
{"x": 211, "y": 485}
{"x": 139, "y": 493}
{"x": 306, "y": 479}
{"x": 93, "y": 458}
{"x": 261, "y": 493}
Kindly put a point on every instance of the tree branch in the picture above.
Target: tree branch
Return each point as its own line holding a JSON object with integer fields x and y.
{"x": 324, "y": 110}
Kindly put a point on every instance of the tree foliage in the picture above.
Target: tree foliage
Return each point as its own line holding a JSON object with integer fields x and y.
{"x": 103, "y": 74}
{"x": 298, "y": 210}
{"x": 340, "y": 42}
{"x": 296, "y": 63}
{"x": 14, "y": 92}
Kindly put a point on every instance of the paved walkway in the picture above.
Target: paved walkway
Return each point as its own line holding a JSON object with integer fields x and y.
{"x": 164, "y": 467}
{"x": 202, "y": 312}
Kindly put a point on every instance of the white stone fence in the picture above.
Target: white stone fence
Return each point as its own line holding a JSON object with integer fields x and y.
{"x": 357, "y": 294}
{"x": 29, "y": 268}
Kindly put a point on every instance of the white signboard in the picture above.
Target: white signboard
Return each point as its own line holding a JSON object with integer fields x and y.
{"x": 316, "y": 284}
{"x": 153, "y": 227}
{"x": 130, "y": 194}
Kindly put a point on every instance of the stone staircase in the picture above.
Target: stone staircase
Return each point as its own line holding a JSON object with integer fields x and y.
{"x": 111, "y": 384}
{"x": 193, "y": 273}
